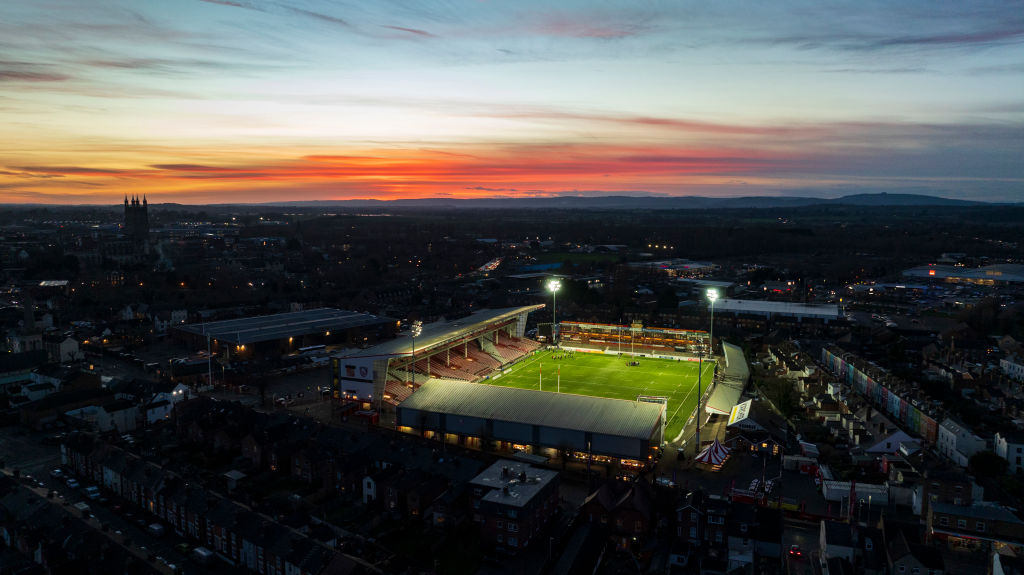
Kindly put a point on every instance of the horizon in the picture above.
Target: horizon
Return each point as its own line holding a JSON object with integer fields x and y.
{"x": 219, "y": 102}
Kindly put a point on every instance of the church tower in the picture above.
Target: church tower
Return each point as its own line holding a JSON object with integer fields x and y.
{"x": 136, "y": 219}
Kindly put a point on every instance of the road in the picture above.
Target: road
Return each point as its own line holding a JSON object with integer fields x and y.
{"x": 804, "y": 534}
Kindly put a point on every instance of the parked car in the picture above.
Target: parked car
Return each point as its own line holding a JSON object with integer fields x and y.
{"x": 92, "y": 492}
{"x": 73, "y": 483}
{"x": 202, "y": 555}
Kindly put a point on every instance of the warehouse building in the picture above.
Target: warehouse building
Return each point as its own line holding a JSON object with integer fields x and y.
{"x": 271, "y": 336}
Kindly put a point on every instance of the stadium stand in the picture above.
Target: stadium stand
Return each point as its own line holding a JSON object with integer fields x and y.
{"x": 396, "y": 392}
{"x": 661, "y": 341}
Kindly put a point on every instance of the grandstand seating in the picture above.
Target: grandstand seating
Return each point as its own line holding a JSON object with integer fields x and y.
{"x": 463, "y": 363}
{"x": 483, "y": 362}
{"x": 508, "y": 354}
{"x": 398, "y": 391}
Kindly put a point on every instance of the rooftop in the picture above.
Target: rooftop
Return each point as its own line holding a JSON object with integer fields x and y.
{"x": 441, "y": 332}
{"x": 987, "y": 512}
{"x": 825, "y": 311}
{"x": 257, "y": 329}
{"x": 513, "y": 482}
{"x": 618, "y": 417}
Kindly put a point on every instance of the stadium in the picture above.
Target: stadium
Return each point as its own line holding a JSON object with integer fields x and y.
{"x": 606, "y": 392}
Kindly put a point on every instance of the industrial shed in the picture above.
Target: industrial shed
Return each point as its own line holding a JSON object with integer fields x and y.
{"x": 470, "y": 413}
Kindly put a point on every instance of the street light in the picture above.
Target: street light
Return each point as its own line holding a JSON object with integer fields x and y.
{"x": 553, "y": 286}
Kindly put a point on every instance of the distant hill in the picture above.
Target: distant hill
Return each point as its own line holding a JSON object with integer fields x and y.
{"x": 885, "y": 199}
{"x": 615, "y": 202}
{"x": 646, "y": 202}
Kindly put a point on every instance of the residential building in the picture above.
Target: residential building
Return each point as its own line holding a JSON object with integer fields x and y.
{"x": 1010, "y": 446}
{"x": 624, "y": 509}
{"x": 511, "y": 501}
{"x": 957, "y": 442}
{"x": 969, "y": 526}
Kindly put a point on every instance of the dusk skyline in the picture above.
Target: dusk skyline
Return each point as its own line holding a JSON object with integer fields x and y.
{"x": 225, "y": 101}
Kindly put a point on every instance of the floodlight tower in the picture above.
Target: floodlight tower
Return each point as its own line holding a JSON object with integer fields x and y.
{"x": 417, "y": 329}
{"x": 553, "y": 286}
{"x": 712, "y": 295}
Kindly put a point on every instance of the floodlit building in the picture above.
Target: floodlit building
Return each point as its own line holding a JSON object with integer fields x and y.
{"x": 528, "y": 420}
{"x": 986, "y": 275}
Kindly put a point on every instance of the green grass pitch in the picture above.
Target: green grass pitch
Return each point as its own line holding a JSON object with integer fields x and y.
{"x": 601, "y": 375}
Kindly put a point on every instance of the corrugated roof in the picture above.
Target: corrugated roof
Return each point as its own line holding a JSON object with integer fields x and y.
{"x": 733, "y": 380}
{"x": 827, "y": 311}
{"x": 438, "y": 333}
{"x": 617, "y": 417}
{"x": 250, "y": 330}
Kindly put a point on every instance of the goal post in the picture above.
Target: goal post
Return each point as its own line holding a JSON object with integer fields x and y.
{"x": 663, "y": 401}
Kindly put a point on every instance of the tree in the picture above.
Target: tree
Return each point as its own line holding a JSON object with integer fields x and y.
{"x": 987, "y": 464}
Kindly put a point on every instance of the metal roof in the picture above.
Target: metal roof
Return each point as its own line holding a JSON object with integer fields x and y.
{"x": 762, "y": 307}
{"x": 618, "y": 417}
{"x": 733, "y": 380}
{"x": 441, "y": 332}
{"x": 257, "y": 329}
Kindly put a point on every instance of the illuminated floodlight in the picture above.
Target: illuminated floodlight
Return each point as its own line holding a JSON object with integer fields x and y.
{"x": 553, "y": 286}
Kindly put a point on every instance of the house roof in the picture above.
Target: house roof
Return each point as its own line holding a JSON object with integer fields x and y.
{"x": 837, "y": 534}
{"x": 983, "y": 512}
{"x": 617, "y": 417}
{"x": 20, "y": 361}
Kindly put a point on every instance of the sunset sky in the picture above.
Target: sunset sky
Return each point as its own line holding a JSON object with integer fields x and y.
{"x": 223, "y": 101}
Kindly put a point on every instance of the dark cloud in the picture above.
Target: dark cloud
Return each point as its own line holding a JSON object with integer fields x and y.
{"x": 14, "y": 71}
{"x": 319, "y": 16}
{"x": 414, "y": 31}
{"x": 62, "y": 170}
{"x": 186, "y": 167}
{"x": 873, "y": 41}
{"x": 1006, "y": 35}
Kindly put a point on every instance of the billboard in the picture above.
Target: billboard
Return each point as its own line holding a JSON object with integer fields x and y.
{"x": 355, "y": 377}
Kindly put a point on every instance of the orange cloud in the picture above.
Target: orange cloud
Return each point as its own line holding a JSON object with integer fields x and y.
{"x": 398, "y": 173}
